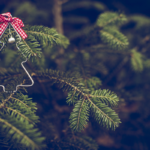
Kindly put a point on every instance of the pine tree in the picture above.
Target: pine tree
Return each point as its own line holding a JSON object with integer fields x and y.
{"x": 85, "y": 93}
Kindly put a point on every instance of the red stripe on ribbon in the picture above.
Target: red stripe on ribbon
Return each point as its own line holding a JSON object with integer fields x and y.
{"x": 15, "y": 22}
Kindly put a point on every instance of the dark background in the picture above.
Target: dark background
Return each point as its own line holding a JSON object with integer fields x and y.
{"x": 132, "y": 133}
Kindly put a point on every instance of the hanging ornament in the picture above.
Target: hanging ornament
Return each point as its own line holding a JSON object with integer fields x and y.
{"x": 7, "y": 20}
{"x": 11, "y": 40}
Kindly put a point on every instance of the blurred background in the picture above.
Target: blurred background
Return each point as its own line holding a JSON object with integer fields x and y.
{"x": 74, "y": 18}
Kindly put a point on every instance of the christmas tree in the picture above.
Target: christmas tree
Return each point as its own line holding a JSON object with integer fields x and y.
{"x": 77, "y": 75}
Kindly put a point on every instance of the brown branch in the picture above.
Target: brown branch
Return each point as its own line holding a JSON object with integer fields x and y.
{"x": 58, "y": 16}
{"x": 58, "y": 20}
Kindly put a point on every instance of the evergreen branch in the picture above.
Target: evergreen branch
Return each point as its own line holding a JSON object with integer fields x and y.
{"x": 17, "y": 117}
{"x": 21, "y": 107}
{"x": 105, "y": 96}
{"x": 20, "y": 132}
{"x": 110, "y": 18}
{"x": 47, "y": 36}
{"x": 30, "y": 47}
{"x": 83, "y": 100}
{"x": 104, "y": 115}
{"x": 79, "y": 115}
{"x": 93, "y": 83}
{"x": 114, "y": 38}
{"x": 72, "y": 97}
{"x": 21, "y": 102}
{"x": 102, "y": 111}
{"x": 137, "y": 60}
{"x": 65, "y": 82}
{"x": 25, "y": 101}
{"x": 19, "y": 114}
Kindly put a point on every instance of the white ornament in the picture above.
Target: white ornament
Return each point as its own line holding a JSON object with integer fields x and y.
{"x": 11, "y": 40}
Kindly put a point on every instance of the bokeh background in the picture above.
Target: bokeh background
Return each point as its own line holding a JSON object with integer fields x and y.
{"x": 73, "y": 20}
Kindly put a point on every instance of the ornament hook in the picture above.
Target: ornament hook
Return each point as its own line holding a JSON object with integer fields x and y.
{"x": 11, "y": 39}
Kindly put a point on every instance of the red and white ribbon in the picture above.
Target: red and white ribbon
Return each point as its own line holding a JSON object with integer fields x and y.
{"x": 15, "y": 22}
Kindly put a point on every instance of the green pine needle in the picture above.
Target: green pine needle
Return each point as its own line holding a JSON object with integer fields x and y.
{"x": 104, "y": 114}
{"x": 79, "y": 116}
{"x": 110, "y": 18}
{"x": 105, "y": 96}
{"x": 85, "y": 99}
{"x": 21, "y": 132}
{"x": 47, "y": 36}
{"x": 114, "y": 38}
{"x": 137, "y": 60}
{"x": 17, "y": 120}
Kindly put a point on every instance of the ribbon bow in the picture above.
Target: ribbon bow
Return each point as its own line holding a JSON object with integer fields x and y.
{"x": 15, "y": 22}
